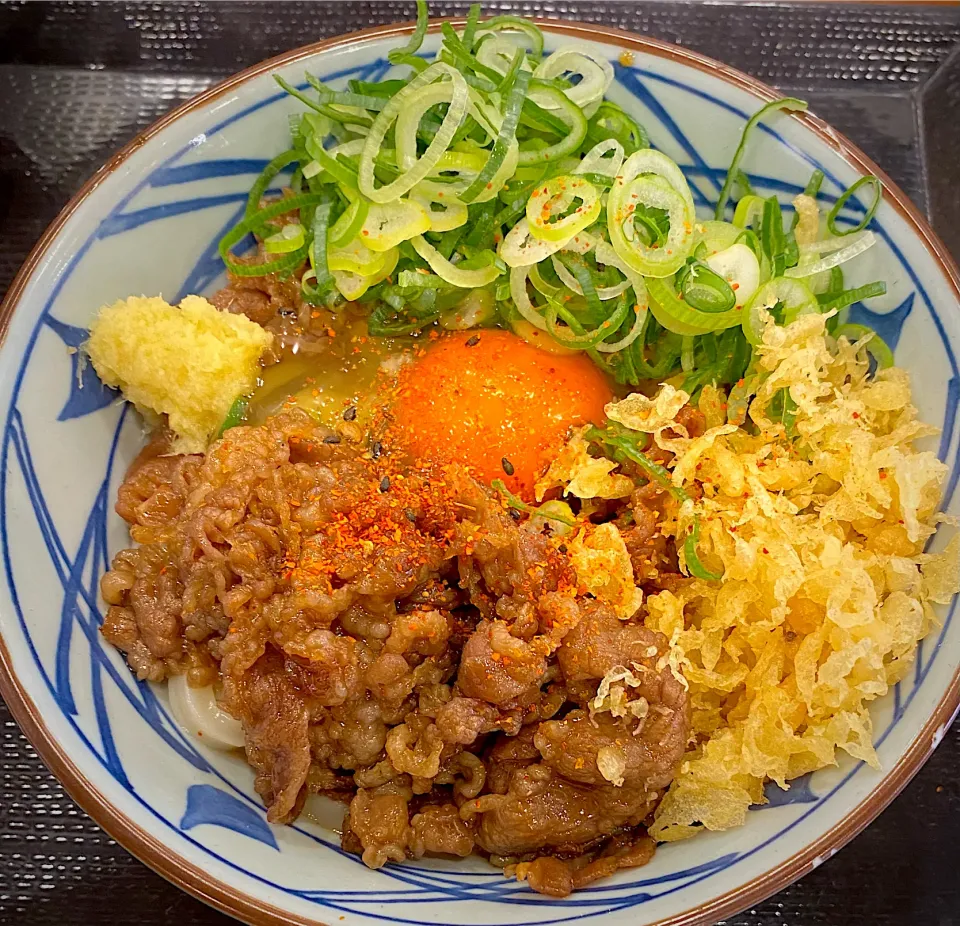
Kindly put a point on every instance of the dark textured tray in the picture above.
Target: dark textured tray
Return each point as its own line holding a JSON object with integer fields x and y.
{"x": 79, "y": 80}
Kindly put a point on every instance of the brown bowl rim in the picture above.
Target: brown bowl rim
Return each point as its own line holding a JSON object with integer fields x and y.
{"x": 197, "y": 882}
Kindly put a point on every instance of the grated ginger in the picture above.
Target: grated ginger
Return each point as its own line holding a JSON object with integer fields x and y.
{"x": 189, "y": 362}
{"x": 825, "y": 591}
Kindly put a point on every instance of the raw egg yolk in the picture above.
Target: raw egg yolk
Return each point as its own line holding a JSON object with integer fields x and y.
{"x": 495, "y": 403}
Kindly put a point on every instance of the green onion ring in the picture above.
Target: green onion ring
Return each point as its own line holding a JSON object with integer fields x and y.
{"x": 575, "y": 124}
{"x": 416, "y": 38}
{"x": 876, "y": 346}
{"x": 840, "y": 299}
{"x": 842, "y": 201}
{"x": 789, "y": 103}
{"x": 352, "y": 220}
{"x": 251, "y": 223}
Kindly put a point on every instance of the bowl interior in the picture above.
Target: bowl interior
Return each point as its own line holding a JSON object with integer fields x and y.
{"x": 151, "y": 226}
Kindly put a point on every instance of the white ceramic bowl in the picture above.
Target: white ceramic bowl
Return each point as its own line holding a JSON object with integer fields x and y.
{"x": 149, "y": 222}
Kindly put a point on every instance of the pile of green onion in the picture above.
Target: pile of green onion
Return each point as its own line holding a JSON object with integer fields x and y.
{"x": 497, "y": 185}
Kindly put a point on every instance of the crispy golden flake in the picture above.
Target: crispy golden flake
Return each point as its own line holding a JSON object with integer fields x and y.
{"x": 603, "y": 567}
{"x": 825, "y": 591}
{"x": 583, "y": 475}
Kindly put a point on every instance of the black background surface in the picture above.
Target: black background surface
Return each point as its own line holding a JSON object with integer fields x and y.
{"x": 77, "y": 80}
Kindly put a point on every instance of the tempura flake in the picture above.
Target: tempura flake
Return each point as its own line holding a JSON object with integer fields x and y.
{"x": 826, "y": 591}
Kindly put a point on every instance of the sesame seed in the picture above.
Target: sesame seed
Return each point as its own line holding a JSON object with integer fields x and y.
{"x": 474, "y": 341}
{"x": 507, "y": 466}
{"x": 411, "y": 515}
{"x": 332, "y": 439}
{"x": 515, "y": 514}
{"x": 385, "y": 484}
{"x": 350, "y": 414}
{"x": 376, "y": 449}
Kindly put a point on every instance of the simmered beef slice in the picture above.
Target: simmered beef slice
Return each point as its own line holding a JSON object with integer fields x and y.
{"x": 391, "y": 636}
{"x": 275, "y": 723}
{"x": 544, "y": 812}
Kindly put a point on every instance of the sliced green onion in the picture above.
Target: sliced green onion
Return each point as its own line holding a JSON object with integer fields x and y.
{"x": 569, "y": 115}
{"x": 448, "y": 216}
{"x": 842, "y": 201}
{"x": 412, "y": 61}
{"x": 738, "y": 265}
{"x": 263, "y": 181}
{"x": 677, "y": 316}
{"x": 604, "y": 293}
{"x": 863, "y": 242}
{"x": 718, "y": 236}
{"x": 588, "y": 289}
{"x": 256, "y": 220}
{"x": 349, "y": 224}
{"x": 636, "y": 329}
{"x": 381, "y": 88}
{"x": 587, "y": 339}
{"x": 452, "y": 273}
{"x": 743, "y": 185}
{"x": 470, "y": 29}
{"x": 419, "y": 279}
{"x": 290, "y": 238}
{"x": 236, "y": 416}
{"x": 625, "y": 447}
{"x": 841, "y": 299}
{"x": 597, "y": 163}
{"x": 387, "y": 224}
{"x": 543, "y": 511}
{"x": 876, "y": 346}
{"x": 539, "y": 119}
{"x": 610, "y": 121}
{"x": 516, "y": 24}
{"x": 413, "y": 170}
{"x": 692, "y": 558}
{"x": 340, "y": 172}
{"x": 748, "y": 211}
{"x": 348, "y": 98}
{"x": 387, "y": 322}
{"x": 518, "y": 292}
{"x": 703, "y": 289}
{"x": 352, "y": 285}
{"x": 666, "y": 189}
{"x": 328, "y": 111}
{"x": 596, "y": 73}
{"x": 400, "y": 55}
{"x": 793, "y": 295}
{"x": 505, "y": 139}
{"x": 318, "y": 248}
{"x": 772, "y": 238}
{"x": 461, "y": 56}
{"x": 553, "y": 198}
{"x": 788, "y": 103}
{"x": 521, "y": 249}
{"x": 356, "y": 257}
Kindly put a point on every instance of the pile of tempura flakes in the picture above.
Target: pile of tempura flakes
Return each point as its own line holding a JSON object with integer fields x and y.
{"x": 815, "y": 505}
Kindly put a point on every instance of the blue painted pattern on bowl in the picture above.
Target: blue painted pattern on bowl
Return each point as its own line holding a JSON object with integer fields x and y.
{"x": 150, "y": 225}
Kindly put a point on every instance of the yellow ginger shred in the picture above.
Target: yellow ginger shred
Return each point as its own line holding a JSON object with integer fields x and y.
{"x": 189, "y": 363}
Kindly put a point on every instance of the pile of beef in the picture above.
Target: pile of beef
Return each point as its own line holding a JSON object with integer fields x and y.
{"x": 395, "y": 639}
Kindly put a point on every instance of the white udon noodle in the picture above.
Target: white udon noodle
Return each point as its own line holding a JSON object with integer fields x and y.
{"x": 197, "y": 711}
